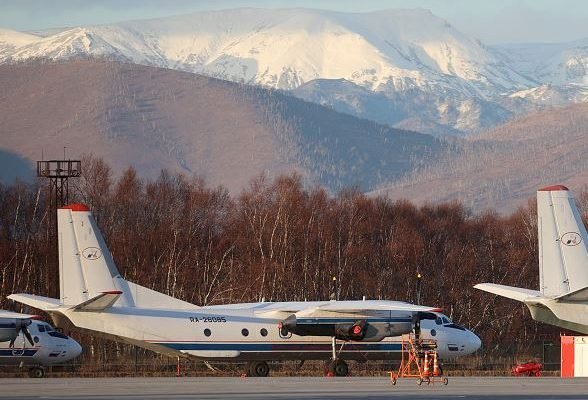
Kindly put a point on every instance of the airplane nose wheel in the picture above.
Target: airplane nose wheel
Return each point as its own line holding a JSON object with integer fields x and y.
{"x": 258, "y": 369}
{"x": 36, "y": 372}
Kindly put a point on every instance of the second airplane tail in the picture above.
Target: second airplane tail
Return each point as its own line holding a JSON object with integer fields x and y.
{"x": 563, "y": 256}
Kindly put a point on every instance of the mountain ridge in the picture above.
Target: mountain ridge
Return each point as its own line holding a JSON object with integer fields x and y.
{"x": 408, "y": 54}
{"x": 155, "y": 118}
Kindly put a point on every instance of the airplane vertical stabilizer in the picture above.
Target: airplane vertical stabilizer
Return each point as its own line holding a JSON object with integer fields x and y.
{"x": 86, "y": 267}
{"x": 563, "y": 256}
{"x": 88, "y": 276}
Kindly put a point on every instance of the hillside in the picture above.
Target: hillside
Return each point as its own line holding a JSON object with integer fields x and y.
{"x": 410, "y": 62}
{"x": 504, "y": 167}
{"x": 153, "y": 118}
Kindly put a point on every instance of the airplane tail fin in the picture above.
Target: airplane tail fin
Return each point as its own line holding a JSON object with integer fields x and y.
{"x": 563, "y": 255}
{"x": 88, "y": 277}
{"x": 86, "y": 267}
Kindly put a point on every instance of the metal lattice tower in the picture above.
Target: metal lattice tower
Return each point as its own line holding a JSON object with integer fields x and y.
{"x": 58, "y": 172}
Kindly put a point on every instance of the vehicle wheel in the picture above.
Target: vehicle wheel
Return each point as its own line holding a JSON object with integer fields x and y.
{"x": 258, "y": 369}
{"x": 445, "y": 381}
{"x": 339, "y": 368}
{"x": 419, "y": 381}
{"x": 538, "y": 373}
{"x": 37, "y": 372}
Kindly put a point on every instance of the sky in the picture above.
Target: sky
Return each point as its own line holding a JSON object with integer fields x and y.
{"x": 491, "y": 21}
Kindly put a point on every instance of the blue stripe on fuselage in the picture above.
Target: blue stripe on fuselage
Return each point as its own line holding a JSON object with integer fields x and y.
{"x": 345, "y": 320}
{"x": 25, "y": 353}
{"x": 252, "y": 347}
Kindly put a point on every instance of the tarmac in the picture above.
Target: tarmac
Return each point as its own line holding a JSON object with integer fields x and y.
{"x": 292, "y": 388}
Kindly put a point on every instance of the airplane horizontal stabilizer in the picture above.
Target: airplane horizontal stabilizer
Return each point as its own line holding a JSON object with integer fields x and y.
{"x": 515, "y": 293}
{"x": 578, "y": 295}
{"x": 15, "y": 315}
{"x": 99, "y": 302}
{"x": 39, "y": 302}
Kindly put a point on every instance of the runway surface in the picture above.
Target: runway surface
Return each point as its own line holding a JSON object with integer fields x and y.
{"x": 291, "y": 388}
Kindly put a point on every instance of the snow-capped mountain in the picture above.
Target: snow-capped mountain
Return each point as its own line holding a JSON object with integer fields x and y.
{"x": 549, "y": 63}
{"x": 413, "y": 63}
{"x": 10, "y": 40}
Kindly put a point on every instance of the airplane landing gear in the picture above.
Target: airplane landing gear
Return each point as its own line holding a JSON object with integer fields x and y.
{"x": 258, "y": 369}
{"x": 36, "y": 372}
{"x": 337, "y": 367}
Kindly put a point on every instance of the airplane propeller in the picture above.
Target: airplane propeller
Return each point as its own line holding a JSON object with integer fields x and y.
{"x": 21, "y": 326}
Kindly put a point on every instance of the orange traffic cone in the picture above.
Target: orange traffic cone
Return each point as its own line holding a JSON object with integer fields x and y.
{"x": 436, "y": 371}
{"x": 426, "y": 367}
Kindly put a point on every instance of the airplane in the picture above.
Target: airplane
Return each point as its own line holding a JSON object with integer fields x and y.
{"x": 562, "y": 298}
{"x": 27, "y": 341}
{"x": 94, "y": 297}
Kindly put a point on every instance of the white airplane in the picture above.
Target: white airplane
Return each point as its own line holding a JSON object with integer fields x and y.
{"x": 562, "y": 298}
{"x": 27, "y": 341}
{"x": 94, "y": 297}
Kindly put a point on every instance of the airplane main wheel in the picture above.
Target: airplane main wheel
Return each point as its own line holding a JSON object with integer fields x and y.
{"x": 339, "y": 368}
{"x": 37, "y": 372}
{"x": 259, "y": 369}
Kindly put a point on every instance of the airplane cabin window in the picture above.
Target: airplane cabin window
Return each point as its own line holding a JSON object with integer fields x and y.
{"x": 245, "y": 332}
{"x": 263, "y": 332}
{"x": 207, "y": 332}
{"x": 41, "y": 328}
{"x": 438, "y": 321}
{"x": 36, "y": 339}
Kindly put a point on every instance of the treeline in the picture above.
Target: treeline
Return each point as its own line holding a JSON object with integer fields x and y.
{"x": 279, "y": 241}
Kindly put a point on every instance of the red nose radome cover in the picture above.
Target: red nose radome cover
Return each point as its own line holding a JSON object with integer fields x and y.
{"x": 76, "y": 207}
{"x": 553, "y": 188}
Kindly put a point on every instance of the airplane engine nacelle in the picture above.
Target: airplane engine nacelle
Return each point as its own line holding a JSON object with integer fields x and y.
{"x": 359, "y": 331}
{"x": 9, "y": 329}
{"x": 380, "y": 330}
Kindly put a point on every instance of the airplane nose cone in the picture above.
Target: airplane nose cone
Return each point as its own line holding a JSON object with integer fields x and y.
{"x": 74, "y": 349}
{"x": 474, "y": 342}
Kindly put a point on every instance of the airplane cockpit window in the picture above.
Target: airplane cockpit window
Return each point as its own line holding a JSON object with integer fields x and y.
{"x": 438, "y": 321}
{"x": 57, "y": 335}
{"x": 41, "y": 328}
{"x": 49, "y": 328}
{"x": 446, "y": 320}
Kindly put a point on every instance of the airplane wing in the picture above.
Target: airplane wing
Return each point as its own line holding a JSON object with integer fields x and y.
{"x": 354, "y": 307}
{"x": 515, "y": 293}
{"x": 347, "y": 307}
{"x": 14, "y": 315}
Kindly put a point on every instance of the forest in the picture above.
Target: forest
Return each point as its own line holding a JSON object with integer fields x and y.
{"x": 280, "y": 241}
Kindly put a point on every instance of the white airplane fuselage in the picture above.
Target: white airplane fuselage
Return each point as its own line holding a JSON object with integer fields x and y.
{"x": 221, "y": 333}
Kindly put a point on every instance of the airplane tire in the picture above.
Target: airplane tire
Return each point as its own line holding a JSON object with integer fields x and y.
{"x": 339, "y": 368}
{"x": 259, "y": 369}
{"x": 37, "y": 372}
